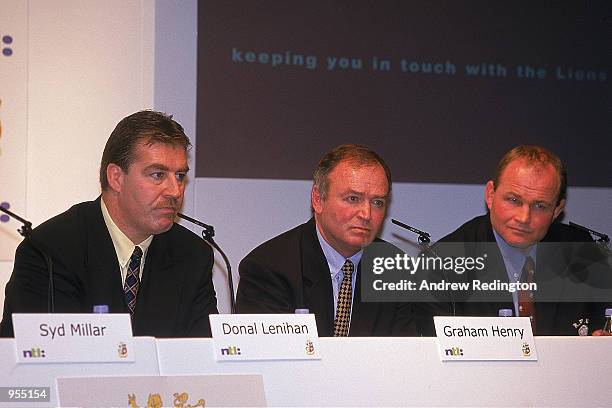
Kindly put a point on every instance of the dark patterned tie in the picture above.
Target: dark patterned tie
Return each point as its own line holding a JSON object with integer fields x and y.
{"x": 526, "y": 304}
{"x": 132, "y": 280}
{"x": 345, "y": 298}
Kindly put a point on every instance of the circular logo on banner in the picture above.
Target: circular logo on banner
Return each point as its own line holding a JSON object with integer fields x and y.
{"x": 7, "y": 40}
{"x": 4, "y": 217}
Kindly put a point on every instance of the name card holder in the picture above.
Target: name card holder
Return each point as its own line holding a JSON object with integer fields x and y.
{"x": 73, "y": 338}
{"x": 264, "y": 337}
{"x": 485, "y": 338}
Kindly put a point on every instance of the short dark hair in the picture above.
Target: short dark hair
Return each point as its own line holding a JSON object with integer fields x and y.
{"x": 150, "y": 126}
{"x": 534, "y": 155}
{"x": 357, "y": 154}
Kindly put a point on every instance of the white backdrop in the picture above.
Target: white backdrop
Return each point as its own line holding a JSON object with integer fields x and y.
{"x": 89, "y": 63}
{"x": 13, "y": 119}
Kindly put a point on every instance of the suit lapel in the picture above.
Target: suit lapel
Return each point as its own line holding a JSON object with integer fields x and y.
{"x": 316, "y": 280}
{"x": 364, "y": 315}
{"x": 495, "y": 269}
{"x": 103, "y": 273}
{"x": 161, "y": 286}
{"x": 551, "y": 276}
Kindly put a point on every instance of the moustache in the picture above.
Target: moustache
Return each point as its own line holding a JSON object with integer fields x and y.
{"x": 168, "y": 205}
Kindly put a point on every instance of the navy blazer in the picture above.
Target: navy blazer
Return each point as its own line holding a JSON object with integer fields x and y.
{"x": 290, "y": 272}
{"x": 176, "y": 293}
{"x": 557, "y": 264}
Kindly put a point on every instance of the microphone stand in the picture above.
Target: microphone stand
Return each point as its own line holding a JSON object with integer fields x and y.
{"x": 424, "y": 238}
{"x": 208, "y": 233}
{"x": 424, "y": 241}
{"x": 25, "y": 230}
{"x": 603, "y": 239}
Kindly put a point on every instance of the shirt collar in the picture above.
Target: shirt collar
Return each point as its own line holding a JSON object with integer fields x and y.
{"x": 513, "y": 255}
{"x": 335, "y": 260}
{"x": 123, "y": 245}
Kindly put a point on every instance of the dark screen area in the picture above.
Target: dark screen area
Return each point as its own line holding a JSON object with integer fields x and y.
{"x": 440, "y": 89}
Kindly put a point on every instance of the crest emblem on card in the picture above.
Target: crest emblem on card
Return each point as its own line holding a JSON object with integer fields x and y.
{"x": 309, "y": 347}
{"x": 526, "y": 350}
{"x": 122, "y": 350}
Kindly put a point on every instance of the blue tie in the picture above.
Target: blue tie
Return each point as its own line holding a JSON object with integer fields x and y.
{"x": 132, "y": 281}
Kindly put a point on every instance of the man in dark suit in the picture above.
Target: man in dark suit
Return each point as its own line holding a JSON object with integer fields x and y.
{"x": 123, "y": 249}
{"x": 523, "y": 243}
{"x": 316, "y": 266}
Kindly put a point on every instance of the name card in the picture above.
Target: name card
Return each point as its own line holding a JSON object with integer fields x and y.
{"x": 485, "y": 338}
{"x": 264, "y": 337}
{"x": 73, "y": 338}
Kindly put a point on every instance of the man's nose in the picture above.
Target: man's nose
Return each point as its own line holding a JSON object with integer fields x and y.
{"x": 365, "y": 211}
{"x": 173, "y": 187}
{"x": 523, "y": 214}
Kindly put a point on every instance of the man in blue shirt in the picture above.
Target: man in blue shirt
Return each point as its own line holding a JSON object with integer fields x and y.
{"x": 525, "y": 198}
{"x": 317, "y": 265}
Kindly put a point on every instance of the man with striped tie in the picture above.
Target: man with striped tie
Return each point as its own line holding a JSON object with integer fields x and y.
{"x": 316, "y": 265}
{"x": 123, "y": 249}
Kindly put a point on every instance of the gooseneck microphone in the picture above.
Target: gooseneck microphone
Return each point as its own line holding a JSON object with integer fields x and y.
{"x": 602, "y": 238}
{"x": 25, "y": 230}
{"x": 208, "y": 233}
{"x": 424, "y": 237}
{"x": 424, "y": 241}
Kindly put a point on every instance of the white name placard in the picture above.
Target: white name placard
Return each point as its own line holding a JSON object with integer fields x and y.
{"x": 265, "y": 337}
{"x": 73, "y": 338}
{"x": 485, "y": 338}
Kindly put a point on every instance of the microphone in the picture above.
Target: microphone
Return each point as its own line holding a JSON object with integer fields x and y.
{"x": 209, "y": 230}
{"x": 25, "y": 230}
{"x": 208, "y": 233}
{"x": 424, "y": 240}
{"x": 603, "y": 238}
{"x": 424, "y": 237}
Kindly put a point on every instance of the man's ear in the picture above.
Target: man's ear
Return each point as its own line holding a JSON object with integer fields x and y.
{"x": 559, "y": 209}
{"x": 316, "y": 200}
{"x": 489, "y": 194}
{"x": 115, "y": 177}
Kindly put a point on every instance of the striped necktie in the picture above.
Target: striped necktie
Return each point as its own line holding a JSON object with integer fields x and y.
{"x": 345, "y": 299}
{"x": 526, "y": 304}
{"x": 132, "y": 280}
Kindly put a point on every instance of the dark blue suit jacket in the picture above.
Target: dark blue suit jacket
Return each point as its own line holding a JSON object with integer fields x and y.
{"x": 290, "y": 272}
{"x": 555, "y": 263}
{"x": 174, "y": 300}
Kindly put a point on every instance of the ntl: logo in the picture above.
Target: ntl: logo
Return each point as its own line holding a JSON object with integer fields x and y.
{"x": 231, "y": 351}
{"x": 34, "y": 353}
{"x": 454, "y": 351}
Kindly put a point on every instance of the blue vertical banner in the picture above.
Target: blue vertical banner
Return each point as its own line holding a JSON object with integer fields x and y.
{"x": 13, "y": 120}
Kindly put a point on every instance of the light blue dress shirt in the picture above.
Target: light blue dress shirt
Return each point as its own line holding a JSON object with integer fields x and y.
{"x": 335, "y": 261}
{"x": 514, "y": 259}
